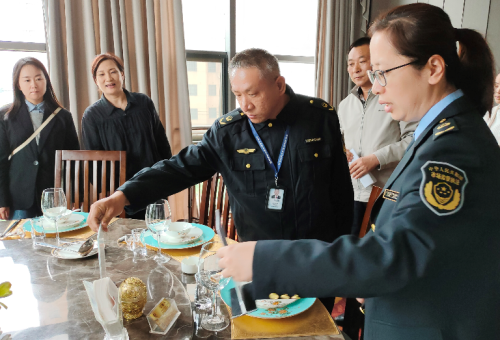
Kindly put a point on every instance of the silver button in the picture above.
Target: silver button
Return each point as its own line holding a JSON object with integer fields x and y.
{"x": 35, "y": 163}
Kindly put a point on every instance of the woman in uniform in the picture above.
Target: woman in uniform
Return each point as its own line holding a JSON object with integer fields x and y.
{"x": 428, "y": 268}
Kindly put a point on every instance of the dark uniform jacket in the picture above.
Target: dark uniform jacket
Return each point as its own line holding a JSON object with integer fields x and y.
{"x": 31, "y": 170}
{"x": 430, "y": 270}
{"x": 318, "y": 192}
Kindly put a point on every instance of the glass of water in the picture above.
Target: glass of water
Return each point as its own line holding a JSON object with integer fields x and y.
{"x": 54, "y": 206}
{"x": 37, "y": 231}
{"x": 158, "y": 216}
{"x": 210, "y": 276}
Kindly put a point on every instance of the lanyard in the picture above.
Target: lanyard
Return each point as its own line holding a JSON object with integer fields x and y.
{"x": 264, "y": 150}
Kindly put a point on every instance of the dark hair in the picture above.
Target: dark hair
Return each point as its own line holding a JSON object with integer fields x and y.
{"x": 50, "y": 100}
{"x": 360, "y": 42}
{"x": 419, "y": 31}
{"x": 256, "y": 57}
{"x": 103, "y": 57}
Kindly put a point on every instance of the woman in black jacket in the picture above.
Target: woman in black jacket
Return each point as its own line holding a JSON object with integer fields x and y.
{"x": 31, "y": 170}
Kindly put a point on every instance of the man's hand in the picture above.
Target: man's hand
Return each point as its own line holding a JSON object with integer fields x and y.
{"x": 237, "y": 260}
{"x": 4, "y": 213}
{"x": 102, "y": 211}
{"x": 363, "y": 165}
{"x": 360, "y": 300}
{"x": 349, "y": 156}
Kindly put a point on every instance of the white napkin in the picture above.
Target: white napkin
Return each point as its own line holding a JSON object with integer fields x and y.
{"x": 367, "y": 179}
{"x": 103, "y": 296}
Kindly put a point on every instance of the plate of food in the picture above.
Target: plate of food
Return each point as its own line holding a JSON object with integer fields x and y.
{"x": 276, "y": 307}
{"x": 148, "y": 238}
{"x": 74, "y": 221}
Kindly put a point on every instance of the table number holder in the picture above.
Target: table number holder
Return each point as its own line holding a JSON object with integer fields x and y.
{"x": 162, "y": 318}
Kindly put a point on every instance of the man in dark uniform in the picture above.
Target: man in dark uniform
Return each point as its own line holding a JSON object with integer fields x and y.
{"x": 276, "y": 140}
{"x": 317, "y": 199}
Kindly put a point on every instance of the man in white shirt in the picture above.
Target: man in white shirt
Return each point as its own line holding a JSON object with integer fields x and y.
{"x": 378, "y": 140}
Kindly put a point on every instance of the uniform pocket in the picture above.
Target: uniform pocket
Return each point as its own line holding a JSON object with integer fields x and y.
{"x": 382, "y": 330}
{"x": 249, "y": 173}
{"x": 316, "y": 163}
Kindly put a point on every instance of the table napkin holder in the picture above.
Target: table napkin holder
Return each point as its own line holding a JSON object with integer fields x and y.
{"x": 105, "y": 302}
{"x": 163, "y": 316}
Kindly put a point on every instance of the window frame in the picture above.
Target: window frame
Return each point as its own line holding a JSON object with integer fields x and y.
{"x": 217, "y": 57}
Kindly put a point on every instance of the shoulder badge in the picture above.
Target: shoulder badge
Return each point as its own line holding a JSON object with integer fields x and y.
{"x": 442, "y": 187}
{"x": 231, "y": 117}
{"x": 443, "y": 127}
{"x": 320, "y": 103}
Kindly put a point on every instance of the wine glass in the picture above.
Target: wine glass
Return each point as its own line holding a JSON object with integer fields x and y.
{"x": 210, "y": 275}
{"x": 54, "y": 206}
{"x": 158, "y": 216}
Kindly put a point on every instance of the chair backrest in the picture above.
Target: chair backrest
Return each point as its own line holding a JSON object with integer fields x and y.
{"x": 366, "y": 218}
{"x": 73, "y": 162}
{"x": 214, "y": 196}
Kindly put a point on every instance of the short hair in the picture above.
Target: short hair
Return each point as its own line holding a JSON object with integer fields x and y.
{"x": 103, "y": 57}
{"x": 360, "y": 42}
{"x": 256, "y": 57}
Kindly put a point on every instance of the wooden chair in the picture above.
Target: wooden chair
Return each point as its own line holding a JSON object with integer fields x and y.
{"x": 72, "y": 162}
{"x": 366, "y": 217}
{"x": 213, "y": 196}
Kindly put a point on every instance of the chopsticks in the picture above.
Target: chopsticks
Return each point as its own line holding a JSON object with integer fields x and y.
{"x": 10, "y": 228}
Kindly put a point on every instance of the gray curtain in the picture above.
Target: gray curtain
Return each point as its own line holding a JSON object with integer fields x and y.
{"x": 340, "y": 22}
{"x": 147, "y": 34}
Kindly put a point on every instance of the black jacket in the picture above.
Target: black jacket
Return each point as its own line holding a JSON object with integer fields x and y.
{"x": 318, "y": 191}
{"x": 432, "y": 258}
{"x": 31, "y": 170}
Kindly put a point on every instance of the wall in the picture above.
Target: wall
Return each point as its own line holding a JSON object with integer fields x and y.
{"x": 474, "y": 14}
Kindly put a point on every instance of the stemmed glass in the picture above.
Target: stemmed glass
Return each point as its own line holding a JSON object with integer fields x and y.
{"x": 158, "y": 216}
{"x": 211, "y": 278}
{"x": 54, "y": 206}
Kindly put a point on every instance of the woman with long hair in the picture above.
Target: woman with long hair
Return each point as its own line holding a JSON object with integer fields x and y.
{"x": 31, "y": 169}
{"x": 123, "y": 120}
{"x": 428, "y": 267}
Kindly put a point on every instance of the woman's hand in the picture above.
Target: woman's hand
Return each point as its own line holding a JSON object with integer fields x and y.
{"x": 4, "y": 213}
{"x": 237, "y": 260}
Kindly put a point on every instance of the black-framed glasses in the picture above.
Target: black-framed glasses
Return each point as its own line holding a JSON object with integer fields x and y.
{"x": 380, "y": 75}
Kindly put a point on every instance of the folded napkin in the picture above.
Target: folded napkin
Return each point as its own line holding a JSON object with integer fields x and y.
{"x": 103, "y": 296}
{"x": 314, "y": 321}
{"x": 180, "y": 254}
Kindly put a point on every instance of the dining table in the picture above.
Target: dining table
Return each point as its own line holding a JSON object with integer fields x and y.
{"x": 49, "y": 300}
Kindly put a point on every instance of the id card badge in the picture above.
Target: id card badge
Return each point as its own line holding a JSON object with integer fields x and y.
{"x": 275, "y": 200}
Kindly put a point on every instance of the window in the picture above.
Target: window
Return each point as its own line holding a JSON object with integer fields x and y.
{"x": 212, "y": 67}
{"x": 194, "y": 114}
{"x": 193, "y": 89}
{"x": 228, "y": 26}
{"x": 212, "y": 90}
{"x": 191, "y": 66}
{"x": 26, "y": 40}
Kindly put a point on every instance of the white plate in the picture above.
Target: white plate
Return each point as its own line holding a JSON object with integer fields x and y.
{"x": 73, "y": 255}
{"x": 193, "y": 234}
{"x": 71, "y": 221}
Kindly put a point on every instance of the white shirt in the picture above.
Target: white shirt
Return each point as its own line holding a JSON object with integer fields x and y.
{"x": 494, "y": 122}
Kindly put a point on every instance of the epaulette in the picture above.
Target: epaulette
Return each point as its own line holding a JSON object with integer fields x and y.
{"x": 445, "y": 125}
{"x": 321, "y": 104}
{"x": 231, "y": 117}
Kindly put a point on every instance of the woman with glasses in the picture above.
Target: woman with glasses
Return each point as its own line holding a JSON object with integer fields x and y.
{"x": 428, "y": 267}
{"x": 26, "y": 169}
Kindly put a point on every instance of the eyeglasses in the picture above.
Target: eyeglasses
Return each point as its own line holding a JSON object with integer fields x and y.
{"x": 380, "y": 75}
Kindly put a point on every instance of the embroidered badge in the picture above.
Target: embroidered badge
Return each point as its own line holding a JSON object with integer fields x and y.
{"x": 312, "y": 140}
{"x": 442, "y": 187}
{"x": 391, "y": 195}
